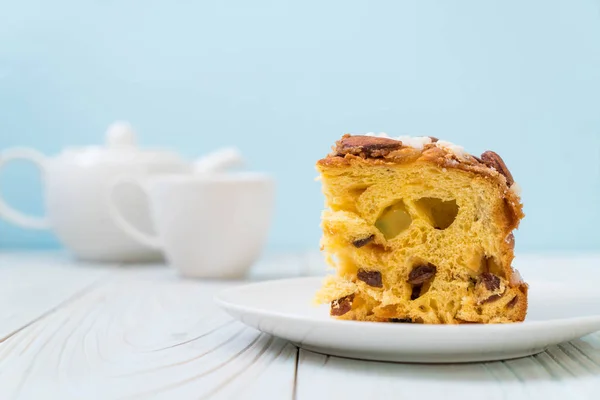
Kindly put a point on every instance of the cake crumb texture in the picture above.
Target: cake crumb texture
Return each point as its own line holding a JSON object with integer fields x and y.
{"x": 419, "y": 232}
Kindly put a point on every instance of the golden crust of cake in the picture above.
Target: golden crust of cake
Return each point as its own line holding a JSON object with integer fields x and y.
{"x": 419, "y": 234}
{"x": 381, "y": 151}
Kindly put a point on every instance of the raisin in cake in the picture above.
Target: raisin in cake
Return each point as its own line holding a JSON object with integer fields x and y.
{"x": 419, "y": 231}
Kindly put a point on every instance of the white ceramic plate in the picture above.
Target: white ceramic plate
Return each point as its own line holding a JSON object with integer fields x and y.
{"x": 557, "y": 313}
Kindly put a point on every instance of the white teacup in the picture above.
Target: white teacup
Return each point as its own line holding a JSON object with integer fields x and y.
{"x": 208, "y": 226}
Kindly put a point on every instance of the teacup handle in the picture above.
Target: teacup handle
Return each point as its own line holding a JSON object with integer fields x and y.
{"x": 6, "y": 211}
{"x": 151, "y": 241}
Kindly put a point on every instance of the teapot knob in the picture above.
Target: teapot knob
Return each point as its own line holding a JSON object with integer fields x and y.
{"x": 120, "y": 134}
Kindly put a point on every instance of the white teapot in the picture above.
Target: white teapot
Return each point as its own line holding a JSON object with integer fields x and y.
{"x": 76, "y": 183}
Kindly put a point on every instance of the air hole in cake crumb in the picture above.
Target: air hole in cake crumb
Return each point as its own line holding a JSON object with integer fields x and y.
{"x": 357, "y": 191}
{"x": 439, "y": 213}
{"x": 349, "y": 200}
{"x": 394, "y": 220}
{"x": 489, "y": 264}
{"x": 377, "y": 248}
{"x": 433, "y": 304}
{"x": 422, "y": 308}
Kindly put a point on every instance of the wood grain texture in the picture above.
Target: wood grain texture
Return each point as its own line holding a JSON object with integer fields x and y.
{"x": 32, "y": 285}
{"x": 74, "y": 331}
{"x": 555, "y": 374}
{"x": 145, "y": 333}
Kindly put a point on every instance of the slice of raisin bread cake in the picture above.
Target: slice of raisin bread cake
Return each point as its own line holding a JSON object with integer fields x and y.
{"x": 419, "y": 231}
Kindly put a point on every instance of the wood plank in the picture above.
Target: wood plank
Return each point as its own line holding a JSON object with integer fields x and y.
{"x": 563, "y": 371}
{"x": 34, "y": 284}
{"x": 145, "y": 332}
{"x": 135, "y": 332}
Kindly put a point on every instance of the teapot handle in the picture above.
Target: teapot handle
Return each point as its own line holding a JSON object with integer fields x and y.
{"x": 6, "y": 211}
{"x": 145, "y": 239}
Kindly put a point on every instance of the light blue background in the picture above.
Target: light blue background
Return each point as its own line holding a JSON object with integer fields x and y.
{"x": 283, "y": 80}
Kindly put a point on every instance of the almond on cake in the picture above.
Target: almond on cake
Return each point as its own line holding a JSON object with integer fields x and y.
{"x": 419, "y": 231}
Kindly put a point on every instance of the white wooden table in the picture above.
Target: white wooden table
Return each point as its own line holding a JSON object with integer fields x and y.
{"x": 84, "y": 331}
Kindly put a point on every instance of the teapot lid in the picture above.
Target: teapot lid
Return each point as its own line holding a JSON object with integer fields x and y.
{"x": 120, "y": 147}
{"x": 120, "y": 134}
